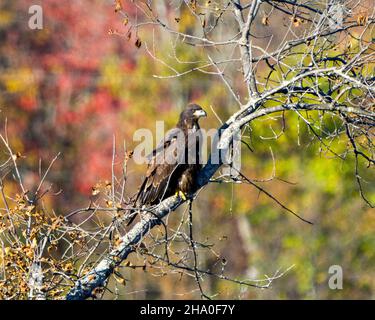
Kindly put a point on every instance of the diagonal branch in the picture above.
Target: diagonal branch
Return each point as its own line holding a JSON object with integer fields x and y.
{"x": 84, "y": 287}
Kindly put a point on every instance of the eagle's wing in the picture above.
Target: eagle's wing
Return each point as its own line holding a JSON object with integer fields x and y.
{"x": 158, "y": 181}
{"x": 164, "y": 143}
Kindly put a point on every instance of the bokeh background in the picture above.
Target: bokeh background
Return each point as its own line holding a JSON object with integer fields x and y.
{"x": 72, "y": 86}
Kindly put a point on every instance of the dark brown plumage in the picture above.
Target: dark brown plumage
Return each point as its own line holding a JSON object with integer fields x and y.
{"x": 174, "y": 164}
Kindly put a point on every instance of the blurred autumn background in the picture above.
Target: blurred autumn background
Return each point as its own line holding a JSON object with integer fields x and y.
{"x": 74, "y": 85}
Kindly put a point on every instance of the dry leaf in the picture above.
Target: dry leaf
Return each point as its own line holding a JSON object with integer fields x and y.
{"x": 296, "y": 22}
{"x": 95, "y": 191}
{"x": 362, "y": 20}
{"x": 118, "y": 242}
{"x": 118, "y": 6}
{"x": 129, "y": 155}
{"x": 193, "y": 4}
{"x": 265, "y": 21}
{"x": 68, "y": 267}
{"x": 119, "y": 279}
{"x": 91, "y": 277}
{"x": 16, "y": 156}
{"x": 138, "y": 43}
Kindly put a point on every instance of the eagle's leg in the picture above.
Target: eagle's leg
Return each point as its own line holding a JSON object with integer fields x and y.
{"x": 186, "y": 183}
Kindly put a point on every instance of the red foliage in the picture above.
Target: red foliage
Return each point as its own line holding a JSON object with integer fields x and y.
{"x": 72, "y": 112}
{"x": 28, "y": 103}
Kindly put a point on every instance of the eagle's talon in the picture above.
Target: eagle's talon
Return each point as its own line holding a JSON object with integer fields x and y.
{"x": 181, "y": 195}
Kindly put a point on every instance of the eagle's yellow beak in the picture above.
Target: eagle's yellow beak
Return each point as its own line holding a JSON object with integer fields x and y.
{"x": 200, "y": 113}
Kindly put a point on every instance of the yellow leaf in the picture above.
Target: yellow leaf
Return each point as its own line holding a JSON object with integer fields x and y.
{"x": 7, "y": 250}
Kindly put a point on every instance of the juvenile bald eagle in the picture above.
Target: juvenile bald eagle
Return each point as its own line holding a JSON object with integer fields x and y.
{"x": 174, "y": 164}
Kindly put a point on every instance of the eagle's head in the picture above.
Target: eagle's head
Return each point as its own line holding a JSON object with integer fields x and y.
{"x": 192, "y": 113}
